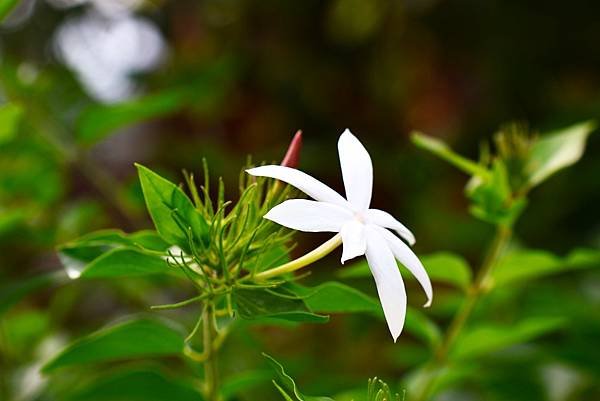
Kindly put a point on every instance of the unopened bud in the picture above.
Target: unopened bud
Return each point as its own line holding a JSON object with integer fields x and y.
{"x": 292, "y": 156}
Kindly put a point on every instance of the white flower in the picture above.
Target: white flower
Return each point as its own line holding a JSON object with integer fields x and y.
{"x": 364, "y": 231}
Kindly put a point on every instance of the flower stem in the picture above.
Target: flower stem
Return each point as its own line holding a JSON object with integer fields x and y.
{"x": 305, "y": 260}
{"x": 211, "y": 375}
{"x": 479, "y": 287}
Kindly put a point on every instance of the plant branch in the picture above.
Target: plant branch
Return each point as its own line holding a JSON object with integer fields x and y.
{"x": 305, "y": 260}
{"x": 479, "y": 287}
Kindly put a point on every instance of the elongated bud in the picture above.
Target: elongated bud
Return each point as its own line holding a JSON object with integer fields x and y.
{"x": 292, "y": 156}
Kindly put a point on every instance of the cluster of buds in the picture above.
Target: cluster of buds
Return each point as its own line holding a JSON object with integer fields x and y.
{"x": 237, "y": 242}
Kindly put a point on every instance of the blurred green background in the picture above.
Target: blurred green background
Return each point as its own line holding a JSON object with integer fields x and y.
{"x": 88, "y": 87}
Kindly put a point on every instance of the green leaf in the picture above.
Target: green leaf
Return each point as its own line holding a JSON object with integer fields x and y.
{"x": 100, "y": 121}
{"x": 334, "y": 297}
{"x": 243, "y": 381}
{"x": 123, "y": 262}
{"x": 287, "y": 383}
{"x": 492, "y": 199}
{"x": 440, "y": 149}
{"x": 13, "y": 292}
{"x": 137, "y": 385}
{"x": 274, "y": 304}
{"x": 443, "y": 267}
{"x": 420, "y": 326}
{"x": 522, "y": 265}
{"x": 166, "y": 203}
{"x": 142, "y": 337}
{"x": 557, "y": 150}
{"x": 10, "y": 116}
{"x": 6, "y": 7}
{"x": 446, "y": 267}
{"x": 488, "y": 338}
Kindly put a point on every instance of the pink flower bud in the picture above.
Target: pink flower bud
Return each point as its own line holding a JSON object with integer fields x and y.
{"x": 292, "y": 156}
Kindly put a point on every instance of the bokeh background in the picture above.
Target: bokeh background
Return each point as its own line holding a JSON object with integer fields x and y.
{"x": 106, "y": 83}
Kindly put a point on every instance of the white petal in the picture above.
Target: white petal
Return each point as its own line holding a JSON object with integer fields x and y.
{"x": 307, "y": 215}
{"x": 304, "y": 182}
{"x": 406, "y": 256}
{"x": 357, "y": 171}
{"x": 388, "y": 280}
{"x": 353, "y": 240}
{"x": 384, "y": 219}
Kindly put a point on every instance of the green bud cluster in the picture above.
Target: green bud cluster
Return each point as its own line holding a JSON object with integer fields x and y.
{"x": 222, "y": 244}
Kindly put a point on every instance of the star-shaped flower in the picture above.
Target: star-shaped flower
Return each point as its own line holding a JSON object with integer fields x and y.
{"x": 364, "y": 231}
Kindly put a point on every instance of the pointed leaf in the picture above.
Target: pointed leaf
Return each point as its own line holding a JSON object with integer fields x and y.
{"x": 101, "y": 121}
{"x": 137, "y": 338}
{"x": 557, "y": 150}
{"x": 334, "y": 297}
{"x": 520, "y": 266}
{"x": 488, "y": 338}
{"x": 167, "y": 203}
{"x": 275, "y": 304}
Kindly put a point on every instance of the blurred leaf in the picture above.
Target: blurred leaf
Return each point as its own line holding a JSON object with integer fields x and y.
{"x": 13, "y": 292}
{"x": 420, "y": 326}
{"x": 492, "y": 198}
{"x": 137, "y": 385}
{"x": 440, "y": 149}
{"x": 23, "y": 330}
{"x": 288, "y": 383}
{"x": 488, "y": 338}
{"x": 100, "y": 121}
{"x": 275, "y": 304}
{"x": 334, "y": 297}
{"x": 444, "y": 267}
{"x": 523, "y": 265}
{"x": 142, "y": 337}
{"x": 166, "y": 203}
{"x": 10, "y": 116}
{"x": 241, "y": 382}
{"x": 6, "y": 7}
{"x": 557, "y": 150}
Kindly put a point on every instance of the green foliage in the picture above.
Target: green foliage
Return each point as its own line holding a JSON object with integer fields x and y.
{"x": 142, "y": 337}
{"x": 6, "y": 7}
{"x": 484, "y": 339}
{"x": 112, "y": 253}
{"x": 136, "y": 385}
{"x": 499, "y": 183}
{"x": 443, "y": 267}
{"x": 557, "y": 150}
{"x": 523, "y": 265}
{"x": 172, "y": 212}
{"x": 274, "y": 304}
{"x": 100, "y": 121}
{"x": 12, "y": 293}
{"x": 10, "y": 117}
{"x": 378, "y": 390}
{"x": 334, "y": 297}
{"x": 287, "y": 386}
{"x": 492, "y": 198}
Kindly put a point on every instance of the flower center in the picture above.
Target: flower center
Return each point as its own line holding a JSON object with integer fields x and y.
{"x": 360, "y": 217}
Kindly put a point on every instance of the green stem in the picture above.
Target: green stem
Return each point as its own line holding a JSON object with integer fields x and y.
{"x": 302, "y": 261}
{"x": 211, "y": 375}
{"x": 478, "y": 288}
